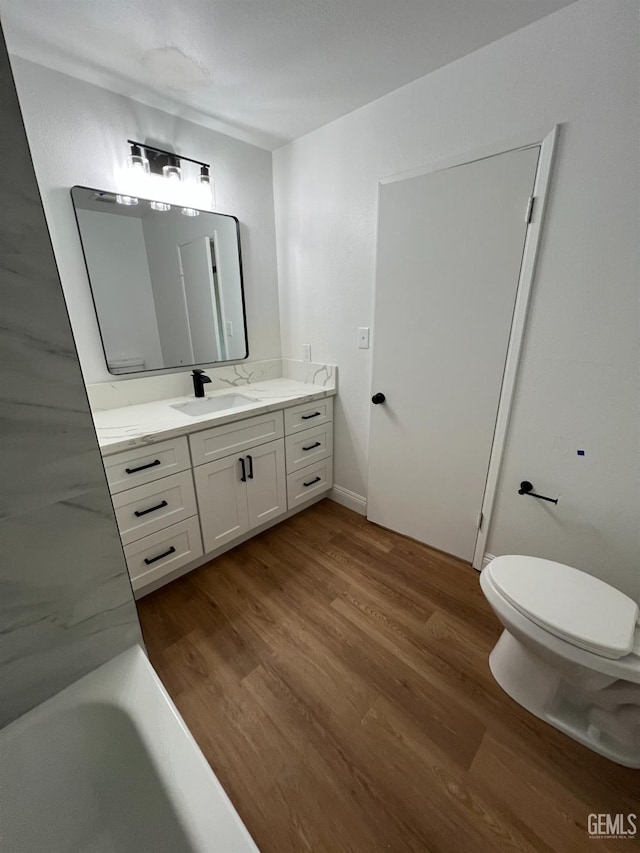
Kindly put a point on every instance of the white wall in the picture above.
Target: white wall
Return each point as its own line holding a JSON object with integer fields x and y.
{"x": 121, "y": 286}
{"x": 78, "y": 135}
{"x": 578, "y": 386}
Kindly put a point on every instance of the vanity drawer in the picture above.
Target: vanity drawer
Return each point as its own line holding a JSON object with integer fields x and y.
{"x": 308, "y": 415}
{"x": 308, "y": 446}
{"x": 154, "y": 556}
{"x": 309, "y": 482}
{"x": 157, "y": 505}
{"x": 218, "y": 442}
{"x": 145, "y": 464}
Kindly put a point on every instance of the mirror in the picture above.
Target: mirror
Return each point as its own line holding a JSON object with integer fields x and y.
{"x": 166, "y": 285}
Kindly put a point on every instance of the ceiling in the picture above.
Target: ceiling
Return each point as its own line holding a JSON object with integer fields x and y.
{"x": 266, "y": 71}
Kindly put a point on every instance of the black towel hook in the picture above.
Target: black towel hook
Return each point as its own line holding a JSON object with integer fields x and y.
{"x": 526, "y": 488}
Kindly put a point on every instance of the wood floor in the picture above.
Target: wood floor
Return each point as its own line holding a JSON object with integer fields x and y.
{"x": 335, "y": 675}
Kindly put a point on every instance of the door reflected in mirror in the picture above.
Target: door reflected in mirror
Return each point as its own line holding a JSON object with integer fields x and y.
{"x": 166, "y": 282}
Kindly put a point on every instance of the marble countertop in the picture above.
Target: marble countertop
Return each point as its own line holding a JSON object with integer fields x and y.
{"x": 146, "y": 423}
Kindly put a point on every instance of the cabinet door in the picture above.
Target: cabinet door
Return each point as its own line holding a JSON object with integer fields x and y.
{"x": 222, "y": 499}
{"x": 266, "y": 482}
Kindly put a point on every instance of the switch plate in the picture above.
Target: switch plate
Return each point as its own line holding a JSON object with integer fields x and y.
{"x": 363, "y": 337}
{"x": 306, "y": 352}
{"x": 229, "y": 327}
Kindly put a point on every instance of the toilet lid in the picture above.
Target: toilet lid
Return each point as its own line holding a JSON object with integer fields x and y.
{"x": 569, "y": 603}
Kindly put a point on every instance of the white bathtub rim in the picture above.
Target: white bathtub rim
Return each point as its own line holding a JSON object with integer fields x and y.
{"x": 130, "y": 683}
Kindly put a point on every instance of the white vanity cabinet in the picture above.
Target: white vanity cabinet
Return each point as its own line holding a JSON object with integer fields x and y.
{"x": 155, "y": 506}
{"x": 181, "y": 501}
{"x": 238, "y": 493}
{"x": 309, "y": 444}
{"x": 250, "y": 480}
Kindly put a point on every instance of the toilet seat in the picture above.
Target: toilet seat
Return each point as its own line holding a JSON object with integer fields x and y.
{"x": 574, "y": 606}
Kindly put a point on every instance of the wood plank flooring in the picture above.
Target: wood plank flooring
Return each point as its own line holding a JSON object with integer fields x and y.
{"x": 335, "y": 675}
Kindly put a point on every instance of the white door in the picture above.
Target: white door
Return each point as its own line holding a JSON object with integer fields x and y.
{"x": 266, "y": 482}
{"x": 196, "y": 268}
{"x": 222, "y": 499}
{"x": 450, "y": 246}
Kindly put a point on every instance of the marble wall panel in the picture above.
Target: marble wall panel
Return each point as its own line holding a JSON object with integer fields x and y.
{"x": 66, "y": 604}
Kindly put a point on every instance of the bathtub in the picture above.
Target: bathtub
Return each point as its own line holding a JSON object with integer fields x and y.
{"x": 108, "y": 766}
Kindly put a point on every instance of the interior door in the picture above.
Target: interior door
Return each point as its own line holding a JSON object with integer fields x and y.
{"x": 266, "y": 482}
{"x": 450, "y": 246}
{"x": 196, "y": 267}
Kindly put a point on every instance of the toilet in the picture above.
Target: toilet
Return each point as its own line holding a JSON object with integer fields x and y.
{"x": 570, "y": 651}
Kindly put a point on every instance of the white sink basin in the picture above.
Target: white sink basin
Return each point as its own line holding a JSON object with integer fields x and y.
{"x": 209, "y": 405}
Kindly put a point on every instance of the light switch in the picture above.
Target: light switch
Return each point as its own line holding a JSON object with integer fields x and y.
{"x": 306, "y": 352}
{"x": 363, "y": 337}
{"x": 229, "y": 326}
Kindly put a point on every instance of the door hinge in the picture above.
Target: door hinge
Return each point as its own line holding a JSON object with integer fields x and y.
{"x": 529, "y": 213}
{"x": 480, "y": 520}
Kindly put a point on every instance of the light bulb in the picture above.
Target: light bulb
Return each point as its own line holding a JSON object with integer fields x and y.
{"x": 159, "y": 205}
{"x": 172, "y": 170}
{"x": 126, "y": 199}
{"x": 137, "y": 160}
{"x": 189, "y": 211}
{"x": 205, "y": 178}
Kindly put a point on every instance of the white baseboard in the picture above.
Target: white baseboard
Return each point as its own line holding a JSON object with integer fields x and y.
{"x": 345, "y": 497}
{"x": 487, "y": 559}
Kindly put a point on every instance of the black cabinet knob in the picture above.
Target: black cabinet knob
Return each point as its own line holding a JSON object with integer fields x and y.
{"x": 378, "y": 398}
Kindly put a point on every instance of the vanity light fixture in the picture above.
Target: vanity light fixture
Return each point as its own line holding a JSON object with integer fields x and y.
{"x": 189, "y": 211}
{"x": 148, "y": 158}
{"x": 126, "y": 199}
{"x": 159, "y": 205}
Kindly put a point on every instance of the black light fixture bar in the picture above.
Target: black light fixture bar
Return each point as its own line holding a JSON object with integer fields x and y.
{"x": 146, "y": 147}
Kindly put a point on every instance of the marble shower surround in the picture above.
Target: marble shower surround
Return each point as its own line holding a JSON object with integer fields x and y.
{"x": 66, "y": 604}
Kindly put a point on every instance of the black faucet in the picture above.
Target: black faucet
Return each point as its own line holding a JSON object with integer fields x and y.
{"x": 200, "y": 379}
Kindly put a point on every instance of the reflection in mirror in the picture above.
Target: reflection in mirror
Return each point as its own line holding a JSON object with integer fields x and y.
{"x": 166, "y": 282}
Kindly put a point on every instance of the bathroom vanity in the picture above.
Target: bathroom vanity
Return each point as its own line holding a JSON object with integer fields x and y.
{"x": 190, "y": 479}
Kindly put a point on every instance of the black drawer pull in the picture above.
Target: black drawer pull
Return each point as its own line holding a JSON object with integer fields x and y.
{"x": 143, "y": 467}
{"x": 140, "y": 512}
{"x": 311, "y": 482}
{"x": 311, "y": 446}
{"x": 250, "y": 458}
{"x": 171, "y": 550}
{"x": 243, "y": 476}
{"x": 314, "y": 415}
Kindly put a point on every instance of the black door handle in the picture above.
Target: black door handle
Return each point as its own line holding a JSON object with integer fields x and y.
{"x": 243, "y": 476}
{"x": 526, "y": 488}
{"x": 311, "y": 482}
{"x": 250, "y": 458}
{"x": 378, "y": 398}
{"x": 311, "y": 446}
